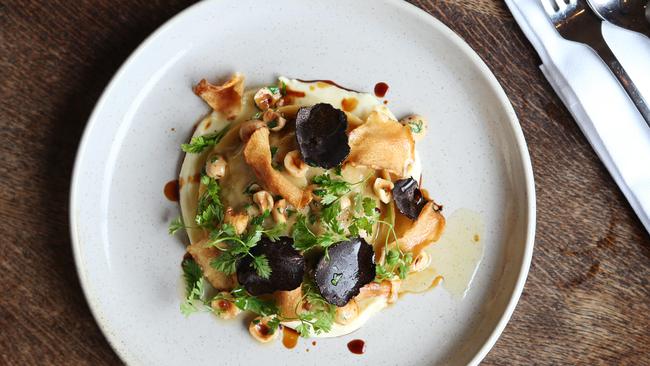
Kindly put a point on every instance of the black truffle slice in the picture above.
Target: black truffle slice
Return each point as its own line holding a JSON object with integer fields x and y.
{"x": 321, "y": 135}
{"x": 287, "y": 267}
{"x": 408, "y": 198}
{"x": 350, "y": 266}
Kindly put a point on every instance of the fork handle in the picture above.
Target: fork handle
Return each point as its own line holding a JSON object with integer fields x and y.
{"x": 606, "y": 54}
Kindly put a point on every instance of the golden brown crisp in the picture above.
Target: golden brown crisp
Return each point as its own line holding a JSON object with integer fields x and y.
{"x": 289, "y": 302}
{"x": 382, "y": 143}
{"x": 226, "y": 98}
{"x": 257, "y": 153}
{"x": 426, "y": 229}
{"x": 203, "y": 256}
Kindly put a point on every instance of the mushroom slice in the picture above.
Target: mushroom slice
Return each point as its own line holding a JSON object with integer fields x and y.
{"x": 257, "y": 153}
{"x": 321, "y": 137}
{"x": 382, "y": 143}
{"x": 426, "y": 229}
{"x": 347, "y": 267}
{"x": 226, "y": 98}
{"x": 287, "y": 267}
{"x": 203, "y": 256}
{"x": 408, "y": 198}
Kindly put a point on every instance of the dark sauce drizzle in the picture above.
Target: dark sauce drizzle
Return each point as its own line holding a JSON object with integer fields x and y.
{"x": 357, "y": 346}
{"x": 328, "y": 82}
{"x": 171, "y": 190}
{"x": 381, "y": 89}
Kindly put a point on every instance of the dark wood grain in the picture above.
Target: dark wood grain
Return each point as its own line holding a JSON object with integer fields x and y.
{"x": 587, "y": 299}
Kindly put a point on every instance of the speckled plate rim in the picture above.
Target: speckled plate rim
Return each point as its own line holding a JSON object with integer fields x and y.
{"x": 530, "y": 220}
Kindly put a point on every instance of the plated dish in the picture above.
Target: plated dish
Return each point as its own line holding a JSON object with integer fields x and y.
{"x": 302, "y": 204}
{"x": 473, "y": 156}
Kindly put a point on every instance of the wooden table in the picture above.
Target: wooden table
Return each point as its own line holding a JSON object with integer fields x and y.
{"x": 587, "y": 299}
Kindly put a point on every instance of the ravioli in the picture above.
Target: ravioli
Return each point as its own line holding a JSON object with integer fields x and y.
{"x": 243, "y": 180}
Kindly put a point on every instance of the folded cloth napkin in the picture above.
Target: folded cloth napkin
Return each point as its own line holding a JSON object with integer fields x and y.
{"x": 600, "y": 106}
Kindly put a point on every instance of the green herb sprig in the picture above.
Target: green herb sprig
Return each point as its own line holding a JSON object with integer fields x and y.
{"x": 320, "y": 316}
{"x": 209, "y": 212}
{"x": 396, "y": 262}
{"x": 235, "y": 247}
{"x": 199, "y": 143}
{"x": 176, "y": 225}
{"x": 194, "y": 287}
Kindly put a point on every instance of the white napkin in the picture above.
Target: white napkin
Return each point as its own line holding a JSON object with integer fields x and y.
{"x": 600, "y": 106}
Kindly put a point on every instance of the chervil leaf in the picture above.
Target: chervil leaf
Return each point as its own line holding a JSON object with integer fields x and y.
{"x": 405, "y": 265}
{"x": 329, "y": 190}
{"x": 226, "y": 262}
{"x": 369, "y": 206}
{"x": 382, "y": 273}
{"x": 176, "y": 225}
{"x": 303, "y": 238}
{"x": 329, "y": 217}
{"x": 392, "y": 257}
{"x": 273, "y": 324}
{"x": 276, "y": 231}
{"x": 192, "y": 273}
{"x": 261, "y": 265}
{"x": 259, "y": 220}
{"x": 199, "y": 143}
{"x": 244, "y": 301}
{"x": 235, "y": 247}
{"x": 320, "y": 316}
{"x": 193, "y": 276}
{"x": 209, "y": 210}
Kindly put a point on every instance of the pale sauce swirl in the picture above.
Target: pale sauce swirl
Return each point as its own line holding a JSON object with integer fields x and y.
{"x": 454, "y": 258}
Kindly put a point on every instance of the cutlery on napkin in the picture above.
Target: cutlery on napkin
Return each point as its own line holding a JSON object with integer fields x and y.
{"x": 600, "y": 106}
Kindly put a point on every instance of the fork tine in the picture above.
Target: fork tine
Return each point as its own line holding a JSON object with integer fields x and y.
{"x": 549, "y": 7}
{"x": 561, "y": 5}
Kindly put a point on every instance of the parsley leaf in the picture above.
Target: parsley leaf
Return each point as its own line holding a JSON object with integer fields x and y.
{"x": 303, "y": 238}
{"x": 199, "y": 143}
{"x": 273, "y": 89}
{"x": 396, "y": 262}
{"x": 274, "y": 149}
{"x": 226, "y": 263}
{"x": 210, "y": 209}
{"x": 320, "y": 316}
{"x": 275, "y": 232}
{"x": 176, "y": 225}
{"x": 392, "y": 257}
{"x": 235, "y": 247}
{"x": 247, "y": 302}
{"x": 193, "y": 276}
{"x": 329, "y": 217}
{"x": 329, "y": 189}
{"x": 382, "y": 273}
{"x": 261, "y": 265}
{"x": 365, "y": 215}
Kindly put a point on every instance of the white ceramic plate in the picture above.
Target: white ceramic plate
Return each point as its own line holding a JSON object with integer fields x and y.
{"x": 475, "y": 158}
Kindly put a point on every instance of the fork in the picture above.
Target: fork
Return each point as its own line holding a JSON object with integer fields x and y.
{"x": 575, "y": 21}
